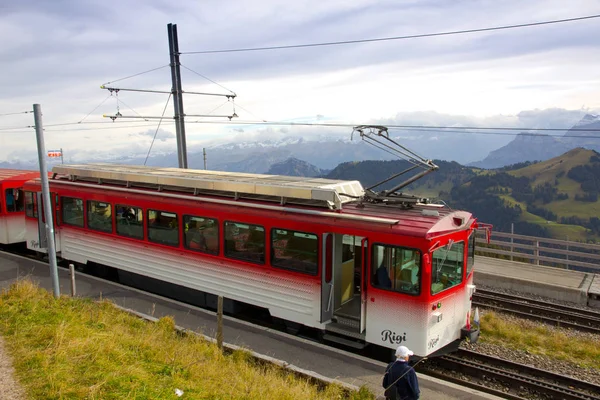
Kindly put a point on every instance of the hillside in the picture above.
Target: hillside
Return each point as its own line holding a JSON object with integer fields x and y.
{"x": 555, "y": 198}
{"x": 369, "y": 173}
{"x": 294, "y": 167}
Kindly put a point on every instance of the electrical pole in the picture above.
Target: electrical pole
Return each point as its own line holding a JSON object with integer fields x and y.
{"x": 177, "y": 95}
{"x": 204, "y": 154}
{"x": 48, "y": 203}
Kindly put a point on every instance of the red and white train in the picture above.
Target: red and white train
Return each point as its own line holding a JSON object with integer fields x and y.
{"x": 311, "y": 251}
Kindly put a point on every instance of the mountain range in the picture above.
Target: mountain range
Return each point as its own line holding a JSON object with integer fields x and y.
{"x": 531, "y": 146}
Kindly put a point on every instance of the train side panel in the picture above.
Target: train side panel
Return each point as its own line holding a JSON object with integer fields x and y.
{"x": 286, "y": 296}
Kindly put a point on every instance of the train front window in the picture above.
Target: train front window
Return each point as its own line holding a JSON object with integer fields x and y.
{"x": 471, "y": 254}
{"x": 14, "y": 200}
{"x": 447, "y": 264}
{"x": 396, "y": 268}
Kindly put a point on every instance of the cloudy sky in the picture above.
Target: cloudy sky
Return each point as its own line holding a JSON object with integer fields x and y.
{"x": 58, "y": 53}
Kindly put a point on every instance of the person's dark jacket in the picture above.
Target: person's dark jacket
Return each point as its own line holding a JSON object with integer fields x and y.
{"x": 408, "y": 386}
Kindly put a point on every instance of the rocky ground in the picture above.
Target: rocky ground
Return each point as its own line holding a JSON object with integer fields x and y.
{"x": 540, "y": 361}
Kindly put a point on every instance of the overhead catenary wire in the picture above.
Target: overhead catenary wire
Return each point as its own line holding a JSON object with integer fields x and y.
{"x": 110, "y": 125}
{"x": 15, "y": 113}
{"x": 126, "y": 105}
{"x": 437, "y": 129}
{"x": 207, "y": 78}
{"x": 138, "y": 74}
{"x": 404, "y": 37}
{"x": 157, "y": 128}
{"x": 88, "y": 114}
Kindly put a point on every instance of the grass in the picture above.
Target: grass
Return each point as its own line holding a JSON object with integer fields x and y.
{"x": 539, "y": 339}
{"x": 557, "y": 230}
{"x": 81, "y": 349}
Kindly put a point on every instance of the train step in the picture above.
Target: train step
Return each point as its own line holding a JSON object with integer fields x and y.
{"x": 345, "y": 330}
{"x": 346, "y": 342}
{"x": 348, "y": 321}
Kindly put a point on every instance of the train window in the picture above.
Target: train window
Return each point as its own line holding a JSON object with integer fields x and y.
{"x": 130, "y": 221}
{"x": 201, "y": 234}
{"x": 447, "y": 264}
{"x": 163, "y": 227}
{"x": 296, "y": 251}
{"x": 31, "y": 204}
{"x": 72, "y": 211}
{"x": 99, "y": 216}
{"x": 471, "y": 253}
{"x": 245, "y": 242}
{"x": 15, "y": 201}
{"x": 396, "y": 268}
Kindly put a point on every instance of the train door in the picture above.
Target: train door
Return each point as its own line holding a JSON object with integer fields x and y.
{"x": 344, "y": 285}
{"x": 42, "y": 235}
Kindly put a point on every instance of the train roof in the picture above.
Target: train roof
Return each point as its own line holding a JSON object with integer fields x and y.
{"x": 285, "y": 189}
{"x": 424, "y": 220}
{"x": 17, "y": 175}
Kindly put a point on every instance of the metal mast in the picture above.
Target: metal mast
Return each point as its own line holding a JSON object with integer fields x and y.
{"x": 47, "y": 200}
{"x": 177, "y": 95}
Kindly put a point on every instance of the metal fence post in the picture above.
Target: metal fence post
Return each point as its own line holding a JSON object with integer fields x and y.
{"x": 567, "y": 253}
{"x": 220, "y": 322}
{"x": 537, "y": 252}
{"x": 72, "y": 271}
{"x": 512, "y": 232}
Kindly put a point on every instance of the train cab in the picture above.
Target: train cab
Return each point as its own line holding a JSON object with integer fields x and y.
{"x": 12, "y": 204}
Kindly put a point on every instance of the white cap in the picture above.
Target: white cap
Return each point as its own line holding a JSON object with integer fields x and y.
{"x": 403, "y": 351}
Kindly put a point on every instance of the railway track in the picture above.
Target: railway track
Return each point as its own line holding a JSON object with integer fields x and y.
{"x": 512, "y": 380}
{"x": 554, "y": 314}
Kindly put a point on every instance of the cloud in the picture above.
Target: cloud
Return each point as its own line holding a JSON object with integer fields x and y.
{"x": 161, "y": 135}
{"x": 60, "y": 52}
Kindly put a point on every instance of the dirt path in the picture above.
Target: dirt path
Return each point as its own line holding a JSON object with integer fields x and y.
{"x": 9, "y": 388}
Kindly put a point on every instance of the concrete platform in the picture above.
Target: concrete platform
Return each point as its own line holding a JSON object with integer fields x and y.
{"x": 550, "y": 282}
{"x": 305, "y": 354}
{"x": 594, "y": 292}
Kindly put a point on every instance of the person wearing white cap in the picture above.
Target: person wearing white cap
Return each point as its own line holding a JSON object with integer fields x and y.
{"x": 401, "y": 377}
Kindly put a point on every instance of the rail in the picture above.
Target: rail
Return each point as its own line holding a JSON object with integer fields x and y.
{"x": 539, "y": 310}
{"x": 516, "y": 381}
{"x": 564, "y": 254}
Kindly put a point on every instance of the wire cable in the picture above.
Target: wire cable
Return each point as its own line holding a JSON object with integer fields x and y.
{"x": 423, "y": 35}
{"x": 138, "y": 74}
{"x": 103, "y": 101}
{"x": 207, "y": 78}
{"x": 157, "y": 128}
{"x": 249, "y": 112}
{"x": 119, "y": 100}
{"x": 437, "y": 129}
{"x": 15, "y": 113}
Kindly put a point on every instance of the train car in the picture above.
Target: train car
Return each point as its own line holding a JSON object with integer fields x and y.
{"x": 12, "y": 204}
{"x": 311, "y": 251}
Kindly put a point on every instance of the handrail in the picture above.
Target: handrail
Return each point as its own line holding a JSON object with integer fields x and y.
{"x": 564, "y": 253}
{"x": 547, "y": 240}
